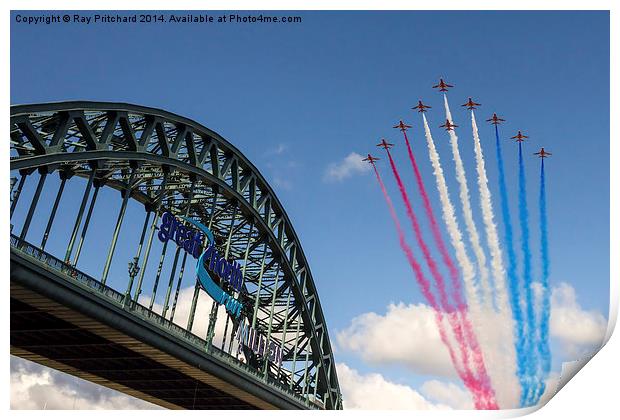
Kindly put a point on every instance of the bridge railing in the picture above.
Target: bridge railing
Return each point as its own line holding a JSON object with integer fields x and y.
{"x": 118, "y": 299}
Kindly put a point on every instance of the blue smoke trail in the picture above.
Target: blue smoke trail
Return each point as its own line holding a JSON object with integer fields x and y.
{"x": 526, "y": 398}
{"x": 543, "y": 343}
{"x": 513, "y": 280}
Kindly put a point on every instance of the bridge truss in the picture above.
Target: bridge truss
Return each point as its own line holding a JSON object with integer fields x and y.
{"x": 163, "y": 162}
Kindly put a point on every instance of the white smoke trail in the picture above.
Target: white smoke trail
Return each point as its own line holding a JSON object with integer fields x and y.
{"x": 505, "y": 320}
{"x": 493, "y": 337}
{"x": 486, "y": 206}
{"x": 456, "y": 238}
{"x": 474, "y": 237}
{"x": 487, "y": 324}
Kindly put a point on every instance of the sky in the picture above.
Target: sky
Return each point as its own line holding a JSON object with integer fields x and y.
{"x": 299, "y": 99}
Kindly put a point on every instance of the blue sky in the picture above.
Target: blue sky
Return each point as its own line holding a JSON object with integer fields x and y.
{"x": 295, "y": 98}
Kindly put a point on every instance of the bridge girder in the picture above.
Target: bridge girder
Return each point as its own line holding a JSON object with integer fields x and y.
{"x": 184, "y": 166}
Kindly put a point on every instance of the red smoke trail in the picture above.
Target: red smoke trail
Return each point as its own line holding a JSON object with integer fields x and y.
{"x": 453, "y": 316}
{"x": 441, "y": 245}
{"x": 424, "y": 284}
{"x": 446, "y": 306}
{"x": 454, "y": 273}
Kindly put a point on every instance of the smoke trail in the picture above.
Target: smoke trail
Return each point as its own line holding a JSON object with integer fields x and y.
{"x": 513, "y": 280}
{"x": 507, "y": 350}
{"x": 487, "y": 216}
{"x": 454, "y": 274}
{"x": 543, "y": 343}
{"x": 526, "y": 397}
{"x": 506, "y": 320}
{"x": 424, "y": 284}
{"x": 474, "y": 237}
{"x": 430, "y": 214}
{"x": 449, "y": 218}
{"x": 446, "y": 306}
{"x": 457, "y": 242}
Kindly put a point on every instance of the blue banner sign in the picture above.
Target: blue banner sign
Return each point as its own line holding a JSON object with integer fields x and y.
{"x": 211, "y": 262}
{"x": 191, "y": 240}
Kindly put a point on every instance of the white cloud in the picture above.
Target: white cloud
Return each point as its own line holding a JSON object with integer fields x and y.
{"x": 447, "y": 393}
{"x": 373, "y": 392}
{"x": 281, "y": 182}
{"x": 406, "y": 334}
{"x": 349, "y": 166}
{"x": 282, "y": 166}
{"x": 278, "y": 150}
{"x": 37, "y": 387}
{"x": 580, "y": 331}
{"x": 201, "y": 317}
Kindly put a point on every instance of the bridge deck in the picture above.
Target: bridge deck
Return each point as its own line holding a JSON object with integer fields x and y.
{"x": 63, "y": 325}
{"x": 41, "y": 337}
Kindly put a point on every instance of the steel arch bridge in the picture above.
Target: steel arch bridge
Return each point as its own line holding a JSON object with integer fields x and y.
{"x": 121, "y": 330}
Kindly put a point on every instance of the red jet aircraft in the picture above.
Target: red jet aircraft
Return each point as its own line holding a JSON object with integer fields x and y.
{"x": 385, "y": 144}
{"x": 471, "y": 104}
{"x": 402, "y": 126}
{"x": 448, "y": 125}
{"x": 421, "y": 107}
{"x": 519, "y": 137}
{"x": 370, "y": 159}
{"x": 443, "y": 86}
{"x": 495, "y": 119}
{"x": 542, "y": 154}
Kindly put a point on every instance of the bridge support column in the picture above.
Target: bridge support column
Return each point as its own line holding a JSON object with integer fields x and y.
{"x": 260, "y": 284}
{"x": 328, "y": 392}
{"x": 133, "y": 269}
{"x": 273, "y": 305}
{"x": 295, "y": 352}
{"x": 316, "y": 380}
{"x": 308, "y": 350}
{"x": 305, "y": 387}
{"x": 50, "y": 221}
{"x": 213, "y": 316}
{"x": 78, "y": 219}
{"x": 157, "y": 276}
{"x": 211, "y": 327}
{"x": 89, "y": 214}
{"x": 33, "y": 205}
{"x": 288, "y": 305}
{"x": 245, "y": 263}
{"x": 171, "y": 281}
{"x": 192, "y": 310}
{"x": 318, "y": 369}
{"x": 226, "y": 252}
{"x": 223, "y": 346}
{"x": 147, "y": 252}
{"x": 18, "y": 192}
{"x": 176, "y": 293}
{"x": 176, "y": 257}
{"x": 117, "y": 228}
